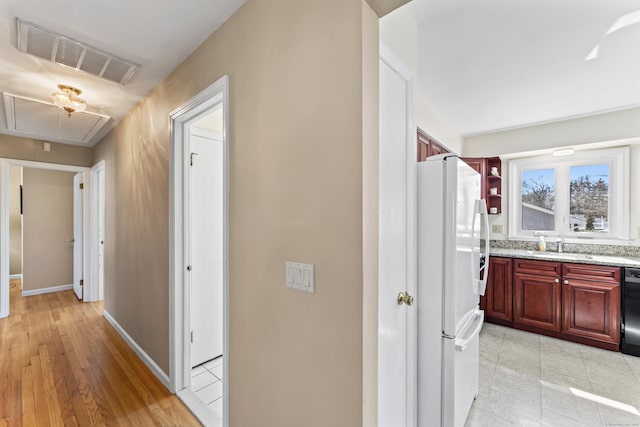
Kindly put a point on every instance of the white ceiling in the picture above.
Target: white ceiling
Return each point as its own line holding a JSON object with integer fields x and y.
{"x": 157, "y": 34}
{"x": 497, "y": 64}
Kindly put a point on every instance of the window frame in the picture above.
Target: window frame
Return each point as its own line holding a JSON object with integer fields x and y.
{"x": 618, "y": 161}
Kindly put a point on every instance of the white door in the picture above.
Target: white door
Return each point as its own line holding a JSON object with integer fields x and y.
{"x": 206, "y": 247}
{"x": 394, "y": 335}
{"x": 78, "y": 223}
{"x": 100, "y": 197}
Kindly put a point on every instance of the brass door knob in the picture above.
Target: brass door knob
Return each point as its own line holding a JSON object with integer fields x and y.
{"x": 405, "y": 298}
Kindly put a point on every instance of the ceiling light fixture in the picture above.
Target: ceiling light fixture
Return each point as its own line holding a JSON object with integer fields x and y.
{"x": 563, "y": 152}
{"x": 68, "y": 100}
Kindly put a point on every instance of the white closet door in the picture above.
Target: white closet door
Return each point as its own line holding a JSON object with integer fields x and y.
{"x": 393, "y": 398}
{"x": 78, "y": 235}
{"x": 206, "y": 247}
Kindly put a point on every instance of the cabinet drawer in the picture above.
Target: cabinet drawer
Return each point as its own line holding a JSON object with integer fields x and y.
{"x": 591, "y": 272}
{"x": 541, "y": 268}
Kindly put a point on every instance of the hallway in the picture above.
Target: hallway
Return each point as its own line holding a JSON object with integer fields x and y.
{"x": 61, "y": 363}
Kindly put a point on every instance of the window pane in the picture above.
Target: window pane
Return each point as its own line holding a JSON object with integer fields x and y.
{"x": 538, "y": 200}
{"x": 589, "y": 204}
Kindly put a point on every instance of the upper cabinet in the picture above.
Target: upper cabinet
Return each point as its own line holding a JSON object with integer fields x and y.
{"x": 427, "y": 147}
{"x": 490, "y": 170}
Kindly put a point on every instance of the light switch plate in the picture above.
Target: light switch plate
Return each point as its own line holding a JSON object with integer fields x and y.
{"x": 496, "y": 228}
{"x": 300, "y": 276}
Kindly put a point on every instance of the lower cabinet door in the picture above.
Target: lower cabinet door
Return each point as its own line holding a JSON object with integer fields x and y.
{"x": 537, "y": 301}
{"x": 591, "y": 309}
{"x": 498, "y": 299}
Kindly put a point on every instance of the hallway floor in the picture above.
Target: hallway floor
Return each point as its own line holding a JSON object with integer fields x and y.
{"x": 532, "y": 380}
{"x": 61, "y": 363}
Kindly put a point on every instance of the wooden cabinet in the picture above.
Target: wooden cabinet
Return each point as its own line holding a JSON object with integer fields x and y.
{"x": 537, "y": 301}
{"x": 423, "y": 147}
{"x": 591, "y": 302}
{"x": 537, "y": 293}
{"x": 576, "y": 302}
{"x": 479, "y": 165}
{"x": 497, "y": 301}
{"x": 542, "y": 268}
{"x": 491, "y": 185}
{"x": 427, "y": 147}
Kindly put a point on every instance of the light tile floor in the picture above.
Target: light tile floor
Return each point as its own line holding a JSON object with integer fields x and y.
{"x": 532, "y": 380}
{"x": 206, "y": 383}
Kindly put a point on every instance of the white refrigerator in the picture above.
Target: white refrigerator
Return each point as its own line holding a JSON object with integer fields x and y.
{"x": 453, "y": 256}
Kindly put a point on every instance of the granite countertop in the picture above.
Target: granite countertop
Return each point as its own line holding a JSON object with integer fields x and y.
{"x": 618, "y": 261}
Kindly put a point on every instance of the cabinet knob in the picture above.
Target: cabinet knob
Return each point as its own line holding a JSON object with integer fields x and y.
{"x": 566, "y": 282}
{"x": 556, "y": 280}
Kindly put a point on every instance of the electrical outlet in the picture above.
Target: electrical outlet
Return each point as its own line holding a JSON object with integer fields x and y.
{"x": 496, "y": 228}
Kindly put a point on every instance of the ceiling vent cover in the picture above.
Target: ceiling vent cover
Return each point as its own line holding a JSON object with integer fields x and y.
{"x": 57, "y": 48}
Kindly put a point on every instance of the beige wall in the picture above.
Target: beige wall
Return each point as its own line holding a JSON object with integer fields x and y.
{"x": 48, "y": 225}
{"x": 15, "y": 147}
{"x": 609, "y": 129}
{"x": 399, "y": 32}
{"x": 296, "y": 194}
{"x": 15, "y": 221}
{"x": 618, "y": 125}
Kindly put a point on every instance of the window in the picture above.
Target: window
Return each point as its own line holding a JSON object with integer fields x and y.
{"x": 580, "y": 196}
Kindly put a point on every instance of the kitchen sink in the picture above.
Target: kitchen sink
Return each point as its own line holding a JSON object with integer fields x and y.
{"x": 566, "y": 256}
{"x": 563, "y": 255}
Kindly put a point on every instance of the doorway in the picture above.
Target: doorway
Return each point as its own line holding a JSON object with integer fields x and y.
{"x": 199, "y": 253}
{"x": 76, "y": 237}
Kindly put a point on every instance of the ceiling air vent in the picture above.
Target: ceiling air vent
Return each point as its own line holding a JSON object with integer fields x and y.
{"x": 57, "y": 48}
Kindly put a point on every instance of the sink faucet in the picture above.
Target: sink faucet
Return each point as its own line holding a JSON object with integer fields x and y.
{"x": 560, "y": 244}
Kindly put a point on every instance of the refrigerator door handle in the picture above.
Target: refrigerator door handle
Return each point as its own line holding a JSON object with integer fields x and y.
{"x": 480, "y": 264}
{"x": 476, "y": 264}
{"x": 485, "y": 222}
{"x": 463, "y": 342}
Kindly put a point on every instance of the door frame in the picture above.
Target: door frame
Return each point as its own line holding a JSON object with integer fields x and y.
{"x": 387, "y": 56}
{"x": 179, "y": 293}
{"x": 5, "y": 165}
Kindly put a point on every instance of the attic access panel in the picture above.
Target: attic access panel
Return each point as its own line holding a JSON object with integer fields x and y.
{"x": 44, "y": 120}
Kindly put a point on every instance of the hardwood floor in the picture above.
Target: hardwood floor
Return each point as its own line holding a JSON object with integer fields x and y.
{"x": 61, "y": 363}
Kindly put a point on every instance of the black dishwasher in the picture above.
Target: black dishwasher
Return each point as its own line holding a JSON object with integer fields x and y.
{"x": 630, "y": 331}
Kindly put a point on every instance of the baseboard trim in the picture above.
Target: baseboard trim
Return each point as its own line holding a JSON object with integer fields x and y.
{"x": 15, "y": 276}
{"x": 46, "y": 290}
{"x": 157, "y": 371}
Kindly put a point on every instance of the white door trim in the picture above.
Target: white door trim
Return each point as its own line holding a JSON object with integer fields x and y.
{"x": 79, "y": 234}
{"x": 95, "y": 292}
{"x": 5, "y": 164}
{"x": 179, "y": 296}
{"x": 392, "y": 60}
